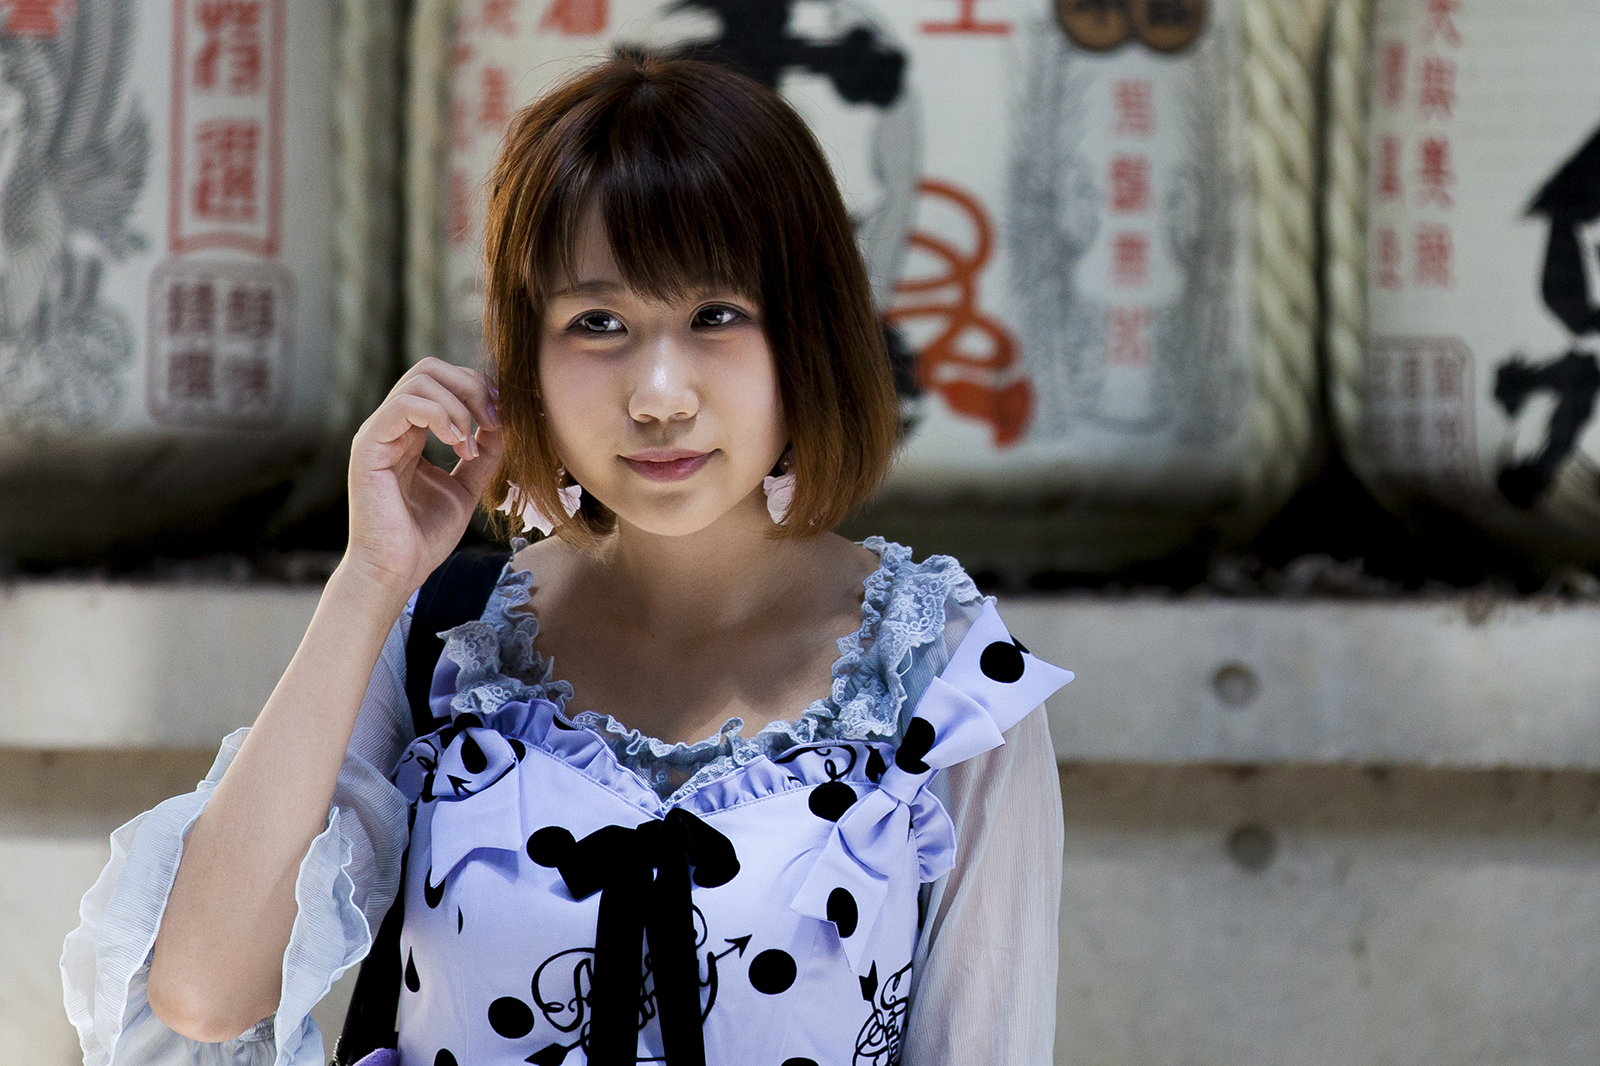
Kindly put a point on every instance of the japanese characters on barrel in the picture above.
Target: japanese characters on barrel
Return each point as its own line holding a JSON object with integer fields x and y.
{"x": 1057, "y": 213}
{"x": 1480, "y": 369}
{"x": 167, "y": 172}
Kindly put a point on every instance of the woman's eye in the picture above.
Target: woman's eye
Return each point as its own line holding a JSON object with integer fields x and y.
{"x": 598, "y": 322}
{"x": 717, "y": 315}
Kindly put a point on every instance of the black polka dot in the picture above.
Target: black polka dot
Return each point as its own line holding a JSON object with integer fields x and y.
{"x": 444, "y": 1058}
{"x": 831, "y": 800}
{"x": 1001, "y": 662}
{"x": 459, "y": 920}
{"x": 549, "y": 1055}
{"x": 433, "y": 894}
{"x": 510, "y": 1017}
{"x": 518, "y": 748}
{"x": 918, "y": 739}
{"x": 472, "y": 756}
{"x": 842, "y": 911}
{"x": 550, "y": 846}
{"x": 799, "y": 1062}
{"x": 772, "y": 971}
{"x": 467, "y": 721}
{"x": 875, "y": 765}
{"x": 413, "y": 982}
{"x": 1020, "y": 646}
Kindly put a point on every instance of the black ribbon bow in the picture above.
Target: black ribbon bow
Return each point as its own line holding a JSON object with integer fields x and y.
{"x": 643, "y": 876}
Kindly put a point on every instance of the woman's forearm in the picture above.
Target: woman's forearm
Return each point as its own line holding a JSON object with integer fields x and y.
{"x": 218, "y": 958}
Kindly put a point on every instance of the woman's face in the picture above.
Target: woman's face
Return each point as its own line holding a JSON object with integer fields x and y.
{"x": 667, "y": 413}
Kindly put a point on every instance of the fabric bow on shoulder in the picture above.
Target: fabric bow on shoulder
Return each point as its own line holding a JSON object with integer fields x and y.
{"x": 467, "y": 760}
{"x": 990, "y": 684}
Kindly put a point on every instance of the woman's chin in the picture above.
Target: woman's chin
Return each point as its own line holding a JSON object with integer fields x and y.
{"x": 679, "y": 518}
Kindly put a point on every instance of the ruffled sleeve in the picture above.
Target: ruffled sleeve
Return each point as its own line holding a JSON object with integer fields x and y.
{"x": 346, "y": 882}
{"x": 988, "y": 947}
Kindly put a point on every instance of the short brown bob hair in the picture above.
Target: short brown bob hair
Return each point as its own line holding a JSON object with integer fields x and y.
{"x": 703, "y": 178}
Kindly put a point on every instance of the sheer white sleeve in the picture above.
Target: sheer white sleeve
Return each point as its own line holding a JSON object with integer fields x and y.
{"x": 985, "y": 969}
{"x": 346, "y": 882}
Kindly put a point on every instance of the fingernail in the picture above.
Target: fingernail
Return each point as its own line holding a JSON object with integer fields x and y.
{"x": 460, "y": 436}
{"x": 494, "y": 391}
{"x": 474, "y": 442}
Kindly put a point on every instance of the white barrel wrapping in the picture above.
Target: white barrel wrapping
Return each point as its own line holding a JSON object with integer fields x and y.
{"x": 1088, "y": 226}
{"x": 195, "y": 250}
{"x": 1464, "y": 223}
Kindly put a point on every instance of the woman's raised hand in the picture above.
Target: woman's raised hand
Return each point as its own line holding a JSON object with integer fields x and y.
{"x": 405, "y": 513}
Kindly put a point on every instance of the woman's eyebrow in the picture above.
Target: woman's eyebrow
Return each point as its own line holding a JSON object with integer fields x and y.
{"x": 719, "y": 292}
{"x": 595, "y": 287}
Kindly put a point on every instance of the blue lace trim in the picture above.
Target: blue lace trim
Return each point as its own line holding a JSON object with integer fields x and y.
{"x": 902, "y": 610}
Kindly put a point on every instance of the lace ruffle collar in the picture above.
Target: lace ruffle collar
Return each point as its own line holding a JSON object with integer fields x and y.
{"x": 902, "y": 609}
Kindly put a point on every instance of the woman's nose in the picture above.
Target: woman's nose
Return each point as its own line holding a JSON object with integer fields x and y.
{"x": 663, "y": 389}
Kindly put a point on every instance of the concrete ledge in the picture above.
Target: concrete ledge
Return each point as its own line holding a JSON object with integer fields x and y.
{"x": 1440, "y": 684}
{"x": 1232, "y": 681}
{"x": 108, "y": 665}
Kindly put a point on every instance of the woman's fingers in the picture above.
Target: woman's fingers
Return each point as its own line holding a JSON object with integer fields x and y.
{"x": 458, "y": 431}
{"x": 475, "y": 474}
{"x": 403, "y": 414}
{"x": 404, "y": 511}
{"x": 456, "y": 399}
{"x": 467, "y": 385}
{"x": 388, "y": 473}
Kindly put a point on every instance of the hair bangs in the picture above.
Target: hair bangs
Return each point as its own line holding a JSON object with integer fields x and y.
{"x": 672, "y": 201}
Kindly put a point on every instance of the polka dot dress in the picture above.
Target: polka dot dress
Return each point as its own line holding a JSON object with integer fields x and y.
{"x": 559, "y": 912}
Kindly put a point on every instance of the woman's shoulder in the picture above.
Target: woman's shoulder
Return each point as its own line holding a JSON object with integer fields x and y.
{"x": 913, "y": 615}
{"x": 938, "y": 636}
{"x": 902, "y": 583}
{"x": 549, "y": 557}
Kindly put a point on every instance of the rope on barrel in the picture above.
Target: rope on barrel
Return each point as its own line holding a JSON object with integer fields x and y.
{"x": 1280, "y": 55}
{"x": 366, "y": 236}
{"x": 367, "y": 205}
{"x": 427, "y": 164}
{"x": 1345, "y": 219}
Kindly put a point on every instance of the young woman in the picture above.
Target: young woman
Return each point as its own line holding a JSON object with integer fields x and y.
{"x": 689, "y": 805}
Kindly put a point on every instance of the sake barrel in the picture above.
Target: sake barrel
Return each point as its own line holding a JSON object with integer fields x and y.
{"x": 1464, "y": 322}
{"x": 1089, "y": 228}
{"x": 198, "y": 234}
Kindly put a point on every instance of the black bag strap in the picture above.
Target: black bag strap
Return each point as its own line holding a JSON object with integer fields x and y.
{"x": 454, "y": 593}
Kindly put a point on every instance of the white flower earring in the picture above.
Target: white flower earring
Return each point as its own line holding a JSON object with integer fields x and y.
{"x": 518, "y": 504}
{"x": 780, "y": 489}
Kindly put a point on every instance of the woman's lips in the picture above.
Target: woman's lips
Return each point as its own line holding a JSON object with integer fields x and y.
{"x": 667, "y": 465}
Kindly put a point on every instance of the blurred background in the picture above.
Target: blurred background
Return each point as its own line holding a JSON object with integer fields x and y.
{"x": 1246, "y": 348}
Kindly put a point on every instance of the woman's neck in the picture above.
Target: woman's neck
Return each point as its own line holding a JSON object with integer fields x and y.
{"x": 723, "y": 576}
